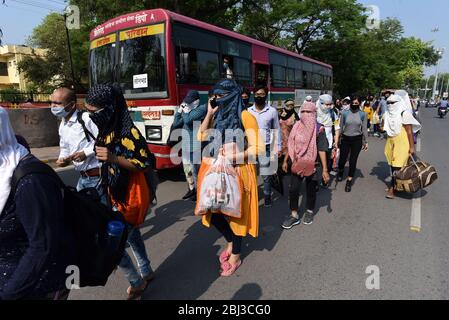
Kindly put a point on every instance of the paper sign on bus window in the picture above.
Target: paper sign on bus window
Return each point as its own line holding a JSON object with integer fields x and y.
{"x": 140, "y": 81}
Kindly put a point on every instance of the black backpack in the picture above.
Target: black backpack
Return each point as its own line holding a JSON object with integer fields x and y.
{"x": 87, "y": 218}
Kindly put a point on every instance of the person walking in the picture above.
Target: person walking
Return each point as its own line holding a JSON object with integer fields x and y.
{"x": 307, "y": 159}
{"x": 229, "y": 115}
{"x": 189, "y": 113}
{"x": 124, "y": 154}
{"x": 77, "y": 135}
{"x": 399, "y": 125}
{"x": 36, "y": 246}
{"x": 268, "y": 120}
{"x": 353, "y": 132}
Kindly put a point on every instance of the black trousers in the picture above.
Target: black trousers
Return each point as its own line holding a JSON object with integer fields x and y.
{"x": 311, "y": 189}
{"x": 219, "y": 221}
{"x": 350, "y": 147}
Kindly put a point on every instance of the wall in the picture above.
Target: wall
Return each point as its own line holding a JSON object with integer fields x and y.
{"x": 38, "y": 126}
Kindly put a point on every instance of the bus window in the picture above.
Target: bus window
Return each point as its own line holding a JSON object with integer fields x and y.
{"x": 208, "y": 70}
{"x": 242, "y": 71}
{"x": 291, "y": 78}
{"x": 298, "y": 78}
{"x": 144, "y": 58}
{"x": 186, "y": 66}
{"x": 102, "y": 61}
{"x": 278, "y": 76}
{"x": 261, "y": 74}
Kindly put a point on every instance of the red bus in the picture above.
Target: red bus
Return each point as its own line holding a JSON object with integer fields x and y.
{"x": 157, "y": 56}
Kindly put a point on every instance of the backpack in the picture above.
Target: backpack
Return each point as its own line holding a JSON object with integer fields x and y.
{"x": 88, "y": 219}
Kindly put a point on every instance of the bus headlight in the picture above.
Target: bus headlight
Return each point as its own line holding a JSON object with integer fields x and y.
{"x": 154, "y": 133}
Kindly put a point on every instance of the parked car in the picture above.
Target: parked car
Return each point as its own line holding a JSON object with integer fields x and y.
{"x": 431, "y": 104}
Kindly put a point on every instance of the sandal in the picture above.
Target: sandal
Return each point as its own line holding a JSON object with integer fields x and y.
{"x": 229, "y": 269}
{"x": 224, "y": 256}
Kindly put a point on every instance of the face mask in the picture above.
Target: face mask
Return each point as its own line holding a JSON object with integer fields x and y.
{"x": 102, "y": 117}
{"x": 60, "y": 112}
{"x": 355, "y": 107}
{"x": 246, "y": 101}
{"x": 260, "y": 101}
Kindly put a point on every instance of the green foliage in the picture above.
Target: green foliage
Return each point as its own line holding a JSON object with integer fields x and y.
{"x": 11, "y": 95}
{"x": 329, "y": 30}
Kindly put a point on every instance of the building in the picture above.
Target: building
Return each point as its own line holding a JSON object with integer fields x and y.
{"x": 10, "y": 56}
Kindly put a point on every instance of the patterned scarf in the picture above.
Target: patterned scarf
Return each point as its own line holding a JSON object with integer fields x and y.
{"x": 302, "y": 146}
{"x": 118, "y": 133}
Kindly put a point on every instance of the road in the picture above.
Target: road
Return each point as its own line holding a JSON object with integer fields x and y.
{"x": 326, "y": 260}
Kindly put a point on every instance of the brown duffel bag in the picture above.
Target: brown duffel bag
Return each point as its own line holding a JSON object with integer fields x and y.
{"x": 416, "y": 175}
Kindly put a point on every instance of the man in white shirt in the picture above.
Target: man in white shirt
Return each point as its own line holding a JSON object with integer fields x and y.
{"x": 76, "y": 141}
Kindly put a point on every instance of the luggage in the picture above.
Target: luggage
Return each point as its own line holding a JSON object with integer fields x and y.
{"x": 416, "y": 175}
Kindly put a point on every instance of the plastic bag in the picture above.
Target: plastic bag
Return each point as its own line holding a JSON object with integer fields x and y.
{"x": 336, "y": 158}
{"x": 220, "y": 190}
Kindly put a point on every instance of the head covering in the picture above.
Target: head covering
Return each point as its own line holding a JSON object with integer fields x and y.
{"x": 309, "y": 98}
{"x": 191, "y": 97}
{"x": 288, "y": 113}
{"x": 228, "y": 116}
{"x": 118, "y": 133}
{"x": 11, "y": 152}
{"x": 406, "y": 98}
{"x": 324, "y": 112}
{"x": 397, "y": 115}
{"x": 302, "y": 146}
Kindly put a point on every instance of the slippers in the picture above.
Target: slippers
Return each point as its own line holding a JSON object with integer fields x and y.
{"x": 229, "y": 269}
{"x": 224, "y": 256}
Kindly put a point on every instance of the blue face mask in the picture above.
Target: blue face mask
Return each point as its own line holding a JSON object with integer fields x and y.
{"x": 60, "y": 112}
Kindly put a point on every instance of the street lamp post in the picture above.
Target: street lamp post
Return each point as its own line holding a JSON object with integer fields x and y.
{"x": 440, "y": 53}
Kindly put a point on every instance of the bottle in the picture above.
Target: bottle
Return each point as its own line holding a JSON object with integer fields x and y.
{"x": 114, "y": 232}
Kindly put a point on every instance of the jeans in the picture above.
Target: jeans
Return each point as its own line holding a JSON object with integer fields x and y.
{"x": 126, "y": 264}
{"x": 191, "y": 170}
{"x": 265, "y": 163}
{"x": 92, "y": 182}
{"x": 295, "y": 186}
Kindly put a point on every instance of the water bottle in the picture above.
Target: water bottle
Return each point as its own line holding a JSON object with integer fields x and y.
{"x": 115, "y": 232}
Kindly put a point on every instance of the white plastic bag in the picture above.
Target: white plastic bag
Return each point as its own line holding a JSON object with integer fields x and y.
{"x": 220, "y": 190}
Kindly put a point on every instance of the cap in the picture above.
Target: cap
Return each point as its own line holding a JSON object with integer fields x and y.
{"x": 191, "y": 97}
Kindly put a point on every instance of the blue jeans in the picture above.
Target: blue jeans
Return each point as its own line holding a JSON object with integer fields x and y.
{"x": 264, "y": 164}
{"x": 137, "y": 245}
{"x": 92, "y": 182}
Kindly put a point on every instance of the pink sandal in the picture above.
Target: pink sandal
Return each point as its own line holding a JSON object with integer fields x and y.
{"x": 229, "y": 269}
{"x": 224, "y": 257}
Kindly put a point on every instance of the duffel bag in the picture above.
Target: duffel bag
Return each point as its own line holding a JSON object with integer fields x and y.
{"x": 416, "y": 175}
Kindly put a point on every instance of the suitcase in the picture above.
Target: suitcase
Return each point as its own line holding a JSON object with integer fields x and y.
{"x": 416, "y": 175}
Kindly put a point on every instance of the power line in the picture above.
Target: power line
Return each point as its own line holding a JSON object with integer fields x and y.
{"x": 24, "y": 9}
{"x": 35, "y": 5}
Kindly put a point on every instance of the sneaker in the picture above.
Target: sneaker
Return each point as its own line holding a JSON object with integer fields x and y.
{"x": 268, "y": 203}
{"x": 189, "y": 194}
{"x": 340, "y": 177}
{"x": 308, "y": 217}
{"x": 291, "y": 222}
{"x": 193, "y": 198}
{"x": 348, "y": 187}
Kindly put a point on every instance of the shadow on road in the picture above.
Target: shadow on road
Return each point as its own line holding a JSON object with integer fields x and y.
{"x": 382, "y": 171}
{"x": 249, "y": 291}
{"x": 191, "y": 269}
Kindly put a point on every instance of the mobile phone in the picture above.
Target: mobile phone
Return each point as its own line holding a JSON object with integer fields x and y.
{"x": 213, "y": 103}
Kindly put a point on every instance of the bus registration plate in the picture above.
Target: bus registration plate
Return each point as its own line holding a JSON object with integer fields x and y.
{"x": 151, "y": 115}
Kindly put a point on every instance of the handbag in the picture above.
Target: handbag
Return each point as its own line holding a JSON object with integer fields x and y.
{"x": 416, "y": 175}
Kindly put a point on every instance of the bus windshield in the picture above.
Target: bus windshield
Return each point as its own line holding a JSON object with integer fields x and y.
{"x": 142, "y": 60}
{"x": 102, "y": 64}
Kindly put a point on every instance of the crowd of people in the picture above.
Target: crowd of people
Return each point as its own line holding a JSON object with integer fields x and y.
{"x": 310, "y": 145}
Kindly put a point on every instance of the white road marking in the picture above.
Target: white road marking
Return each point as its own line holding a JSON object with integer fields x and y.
{"x": 415, "y": 220}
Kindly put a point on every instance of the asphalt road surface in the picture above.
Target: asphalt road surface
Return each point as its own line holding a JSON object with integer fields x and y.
{"x": 405, "y": 239}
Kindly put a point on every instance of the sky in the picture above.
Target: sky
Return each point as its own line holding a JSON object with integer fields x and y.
{"x": 419, "y": 17}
